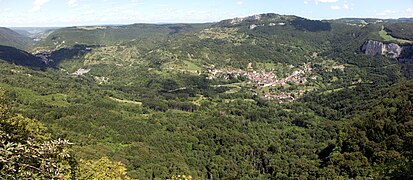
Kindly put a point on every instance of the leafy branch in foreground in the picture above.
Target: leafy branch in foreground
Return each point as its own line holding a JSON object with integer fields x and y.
{"x": 28, "y": 152}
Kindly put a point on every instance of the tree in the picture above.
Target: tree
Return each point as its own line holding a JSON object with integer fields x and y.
{"x": 101, "y": 169}
{"x": 27, "y": 152}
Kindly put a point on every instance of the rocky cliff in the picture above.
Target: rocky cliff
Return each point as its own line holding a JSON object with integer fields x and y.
{"x": 392, "y": 50}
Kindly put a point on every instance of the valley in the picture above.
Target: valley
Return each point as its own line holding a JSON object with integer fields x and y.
{"x": 267, "y": 96}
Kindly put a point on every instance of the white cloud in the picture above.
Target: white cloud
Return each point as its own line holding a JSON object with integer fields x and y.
{"x": 240, "y": 3}
{"x": 305, "y": 2}
{"x": 89, "y": 12}
{"x": 386, "y": 13}
{"x": 395, "y": 13}
{"x": 335, "y": 7}
{"x": 37, "y": 5}
{"x": 346, "y": 6}
{"x": 325, "y": 1}
{"x": 137, "y": 2}
{"x": 72, "y": 3}
{"x": 409, "y": 12}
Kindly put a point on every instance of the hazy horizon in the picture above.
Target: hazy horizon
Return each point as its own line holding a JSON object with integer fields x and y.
{"x": 64, "y": 13}
{"x": 161, "y": 23}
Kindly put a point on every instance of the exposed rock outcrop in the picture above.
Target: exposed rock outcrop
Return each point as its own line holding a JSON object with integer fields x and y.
{"x": 392, "y": 50}
{"x": 81, "y": 72}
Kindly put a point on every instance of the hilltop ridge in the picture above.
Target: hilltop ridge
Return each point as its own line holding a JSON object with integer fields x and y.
{"x": 9, "y": 37}
{"x": 261, "y": 97}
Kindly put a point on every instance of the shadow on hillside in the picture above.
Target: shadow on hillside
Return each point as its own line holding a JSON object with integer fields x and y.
{"x": 21, "y": 58}
{"x": 78, "y": 50}
{"x": 310, "y": 25}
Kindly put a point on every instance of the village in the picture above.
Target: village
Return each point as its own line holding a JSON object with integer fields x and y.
{"x": 262, "y": 81}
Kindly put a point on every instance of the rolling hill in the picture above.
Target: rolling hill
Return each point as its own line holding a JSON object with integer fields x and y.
{"x": 261, "y": 97}
{"x": 9, "y": 37}
{"x": 111, "y": 35}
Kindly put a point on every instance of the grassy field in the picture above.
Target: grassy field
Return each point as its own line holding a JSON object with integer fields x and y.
{"x": 267, "y": 66}
{"x": 390, "y": 38}
{"x": 125, "y": 101}
{"x": 191, "y": 66}
{"x": 337, "y": 89}
{"x": 186, "y": 66}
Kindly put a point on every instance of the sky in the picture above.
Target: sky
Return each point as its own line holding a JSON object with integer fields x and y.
{"x": 57, "y": 13}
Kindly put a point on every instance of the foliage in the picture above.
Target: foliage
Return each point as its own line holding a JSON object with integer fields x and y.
{"x": 400, "y": 30}
{"x": 377, "y": 143}
{"x": 385, "y": 35}
{"x": 311, "y": 25}
{"x": 19, "y": 57}
{"x": 27, "y": 152}
{"x": 11, "y": 38}
{"x": 111, "y": 35}
{"x": 148, "y": 104}
{"x": 101, "y": 169}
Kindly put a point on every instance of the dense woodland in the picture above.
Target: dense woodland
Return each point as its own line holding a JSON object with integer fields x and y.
{"x": 400, "y": 30}
{"x": 147, "y": 109}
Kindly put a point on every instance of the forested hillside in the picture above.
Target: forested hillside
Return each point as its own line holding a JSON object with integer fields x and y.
{"x": 20, "y": 57}
{"x": 261, "y": 97}
{"x": 9, "y": 37}
{"x": 110, "y": 35}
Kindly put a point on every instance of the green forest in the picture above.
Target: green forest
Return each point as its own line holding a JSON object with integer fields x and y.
{"x": 291, "y": 98}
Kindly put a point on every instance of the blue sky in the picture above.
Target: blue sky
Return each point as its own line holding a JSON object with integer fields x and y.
{"x": 30, "y": 13}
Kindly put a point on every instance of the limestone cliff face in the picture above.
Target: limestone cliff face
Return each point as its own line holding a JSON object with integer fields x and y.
{"x": 379, "y": 48}
{"x": 392, "y": 50}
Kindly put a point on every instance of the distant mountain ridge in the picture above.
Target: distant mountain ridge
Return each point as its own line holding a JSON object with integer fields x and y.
{"x": 110, "y": 35}
{"x": 35, "y": 33}
{"x": 9, "y": 37}
{"x": 266, "y": 96}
